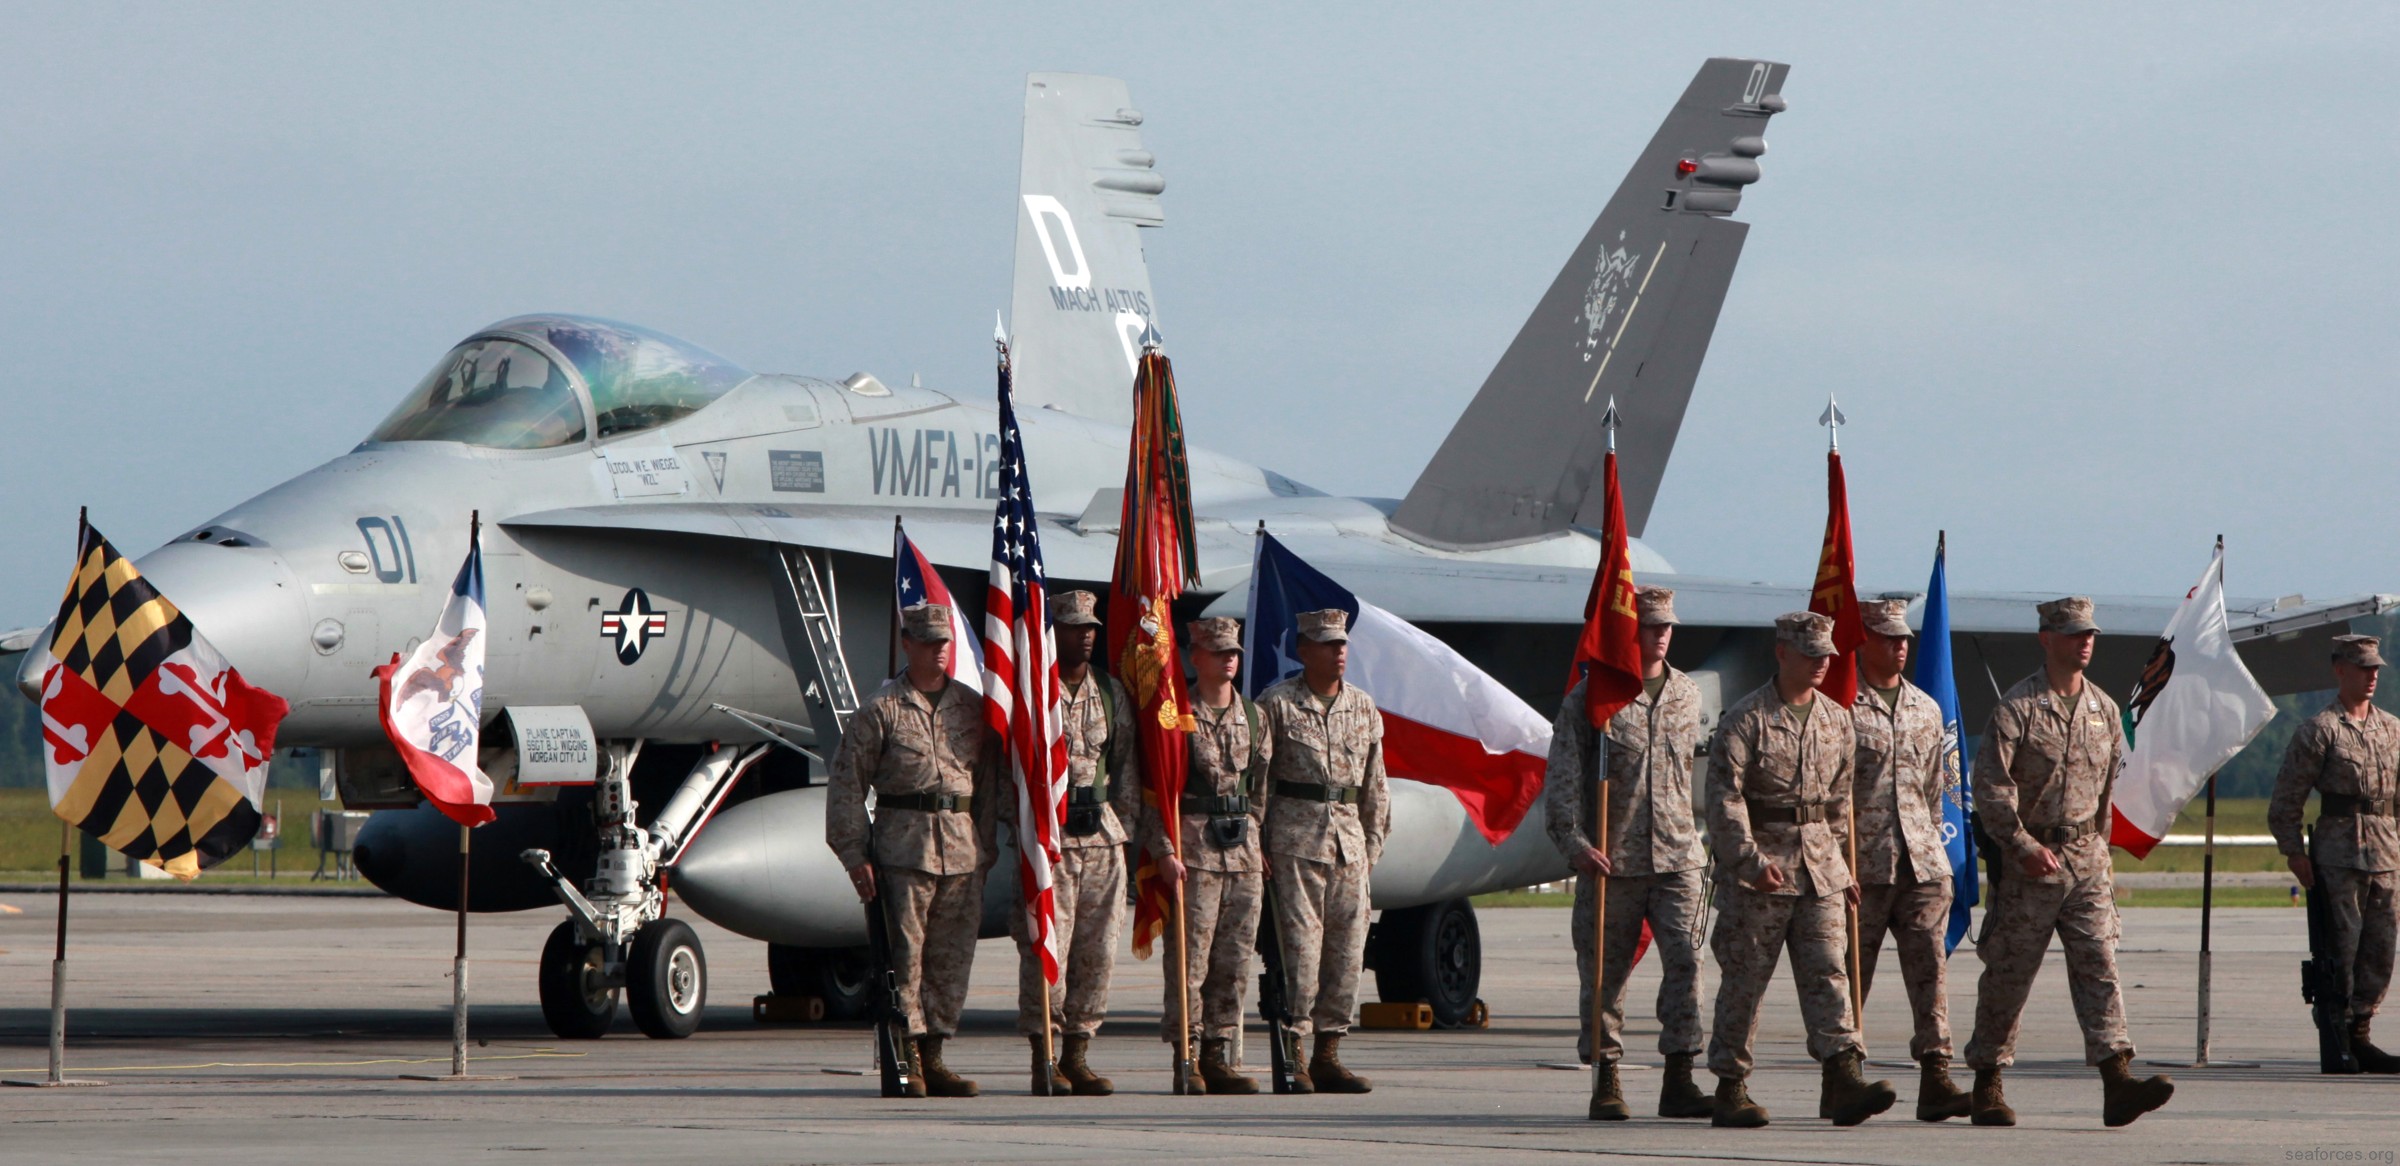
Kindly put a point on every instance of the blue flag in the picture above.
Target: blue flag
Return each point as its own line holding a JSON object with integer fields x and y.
{"x": 1934, "y": 675}
{"x": 1282, "y": 585}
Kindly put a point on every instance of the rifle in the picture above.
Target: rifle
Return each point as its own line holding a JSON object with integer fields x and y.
{"x": 891, "y": 1022}
{"x": 1275, "y": 994}
{"x": 2325, "y": 979}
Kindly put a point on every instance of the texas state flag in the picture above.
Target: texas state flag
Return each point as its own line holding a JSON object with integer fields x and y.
{"x": 432, "y": 702}
{"x": 1445, "y": 722}
{"x": 914, "y": 581}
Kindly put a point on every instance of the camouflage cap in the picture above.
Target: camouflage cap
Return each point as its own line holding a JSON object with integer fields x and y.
{"x": 1885, "y": 617}
{"x": 1330, "y": 626}
{"x": 1221, "y": 633}
{"x": 1070, "y": 608}
{"x": 1657, "y": 606}
{"x": 2363, "y": 651}
{"x": 926, "y": 622}
{"x": 2071, "y": 616}
{"x": 1807, "y": 632}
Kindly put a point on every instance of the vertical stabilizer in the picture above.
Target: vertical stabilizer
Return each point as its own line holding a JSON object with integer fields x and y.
{"x": 1628, "y": 318}
{"x": 1082, "y": 294}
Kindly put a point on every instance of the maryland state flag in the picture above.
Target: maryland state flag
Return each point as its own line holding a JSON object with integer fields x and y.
{"x": 1609, "y": 653}
{"x": 152, "y": 742}
{"x": 1836, "y": 592}
{"x": 1155, "y": 561}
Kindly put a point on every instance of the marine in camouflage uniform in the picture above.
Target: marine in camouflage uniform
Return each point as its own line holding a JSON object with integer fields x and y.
{"x": 1327, "y": 813}
{"x": 2353, "y": 766}
{"x": 932, "y": 766}
{"x": 1655, "y": 861}
{"x": 2043, "y": 779}
{"x": 1104, "y": 792}
{"x": 1778, "y": 805}
{"x": 1223, "y": 891}
{"x": 1903, "y": 775}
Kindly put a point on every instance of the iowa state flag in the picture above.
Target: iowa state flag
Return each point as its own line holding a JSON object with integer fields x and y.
{"x": 1932, "y": 672}
{"x": 151, "y": 742}
{"x": 432, "y": 702}
{"x": 1445, "y": 722}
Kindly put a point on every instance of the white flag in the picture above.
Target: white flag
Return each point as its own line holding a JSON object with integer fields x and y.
{"x": 2194, "y": 708}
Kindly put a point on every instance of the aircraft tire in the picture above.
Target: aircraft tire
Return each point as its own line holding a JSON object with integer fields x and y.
{"x": 573, "y": 1012}
{"x": 666, "y": 980}
{"x": 1432, "y": 953}
{"x": 838, "y": 976}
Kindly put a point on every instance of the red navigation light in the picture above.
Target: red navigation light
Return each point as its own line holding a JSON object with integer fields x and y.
{"x": 1685, "y": 168}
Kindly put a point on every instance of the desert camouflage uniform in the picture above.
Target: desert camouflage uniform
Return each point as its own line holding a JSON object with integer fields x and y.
{"x": 2357, "y": 855}
{"x": 2048, "y": 763}
{"x": 1088, "y": 884}
{"x": 1222, "y": 891}
{"x": 1654, "y": 848}
{"x": 1766, "y": 763}
{"x": 903, "y": 742}
{"x": 1903, "y": 867}
{"x": 1319, "y": 853}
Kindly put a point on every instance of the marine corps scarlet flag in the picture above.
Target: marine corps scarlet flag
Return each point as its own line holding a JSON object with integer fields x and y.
{"x": 1155, "y": 561}
{"x": 152, "y": 742}
{"x": 1610, "y": 650}
{"x": 1836, "y": 592}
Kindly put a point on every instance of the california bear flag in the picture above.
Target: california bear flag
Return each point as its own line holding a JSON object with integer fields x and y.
{"x": 2193, "y": 709}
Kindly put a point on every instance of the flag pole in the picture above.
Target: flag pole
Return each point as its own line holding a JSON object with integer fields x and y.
{"x": 1183, "y": 988}
{"x": 1608, "y": 421}
{"x": 466, "y": 844}
{"x": 2208, "y": 886}
{"x": 58, "y": 961}
{"x": 891, "y": 642}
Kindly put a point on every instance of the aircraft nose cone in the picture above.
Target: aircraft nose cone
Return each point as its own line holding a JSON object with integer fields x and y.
{"x": 244, "y": 600}
{"x": 762, "y": 869}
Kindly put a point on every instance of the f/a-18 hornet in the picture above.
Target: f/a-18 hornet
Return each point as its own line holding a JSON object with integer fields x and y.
{"x": 688, "y": 566}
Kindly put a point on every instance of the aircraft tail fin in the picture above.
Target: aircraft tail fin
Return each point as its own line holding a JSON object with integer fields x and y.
{"x": 1628, "y": 319}
{"x": 1082, "y": 289}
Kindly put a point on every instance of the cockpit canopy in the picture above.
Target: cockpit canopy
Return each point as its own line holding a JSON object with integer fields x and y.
{"x": 537, "y": 382}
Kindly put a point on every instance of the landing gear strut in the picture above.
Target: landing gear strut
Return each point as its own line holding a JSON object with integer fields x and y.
{"x": 614, "y": 936}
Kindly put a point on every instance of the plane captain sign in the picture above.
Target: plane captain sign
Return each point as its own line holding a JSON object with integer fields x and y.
{"x": 633, "y": 625}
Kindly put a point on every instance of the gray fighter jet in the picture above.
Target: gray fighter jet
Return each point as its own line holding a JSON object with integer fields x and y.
{"x": 689, "y": 572}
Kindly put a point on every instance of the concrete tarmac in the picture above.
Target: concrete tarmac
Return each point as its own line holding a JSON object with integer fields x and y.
{"x": 242, "y": 1029}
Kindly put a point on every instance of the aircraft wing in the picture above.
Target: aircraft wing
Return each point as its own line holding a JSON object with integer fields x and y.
{"x": 949, "y": 536}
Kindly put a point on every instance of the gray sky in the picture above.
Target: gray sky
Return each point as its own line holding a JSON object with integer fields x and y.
{"x": 2094, "y": 282}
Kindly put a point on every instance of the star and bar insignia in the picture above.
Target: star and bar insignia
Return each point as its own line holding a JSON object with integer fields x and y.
{"x": 152, "y": 742}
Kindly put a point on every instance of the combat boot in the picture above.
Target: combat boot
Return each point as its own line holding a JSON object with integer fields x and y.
{"x": 1216, "y": 1076}
{"x": 1939, "y": 1098}
{"x": 1678, "y": 1096}
{"x": 1987, "y": 1104}
{"x": 1734, "y": 1108}
{"x": 2123, "y": 1098}
{"x": 1085, "y": 1083}
{"x": 915, "y": 1070}
{"x": 939, "y": 1080}
{"x": 1847, "y": 1097}
{"x": 2370, "y": 1059}
{"x": 1041, "y": 1062}
{"x": 1608, "y": 1094}
{"x": 1325, "y": 1069}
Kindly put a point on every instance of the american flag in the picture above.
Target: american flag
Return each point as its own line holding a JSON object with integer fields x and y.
{"x": 1020, "y": 683}
{"x": 914, "y": 581}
